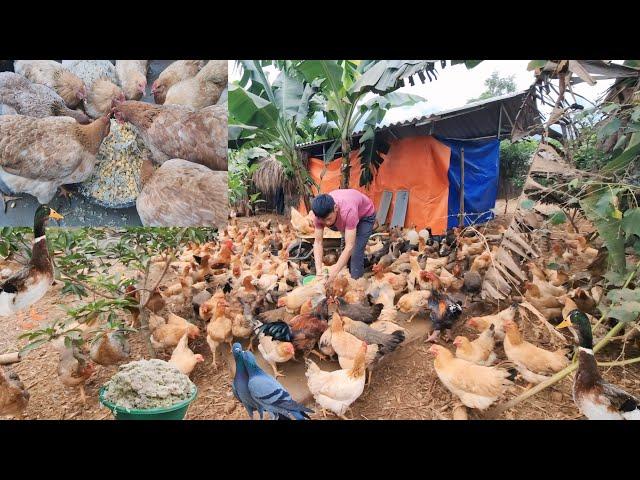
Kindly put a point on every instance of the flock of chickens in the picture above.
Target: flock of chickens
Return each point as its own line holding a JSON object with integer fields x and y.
{"x": 54, "y": 117}
{"x": 243, "y": 286}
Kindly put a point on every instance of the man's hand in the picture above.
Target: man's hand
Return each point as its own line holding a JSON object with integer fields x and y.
{"x": 331, "y": 276}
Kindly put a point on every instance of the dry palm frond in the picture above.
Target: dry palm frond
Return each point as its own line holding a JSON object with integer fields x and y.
{"x": 270, "y": 176}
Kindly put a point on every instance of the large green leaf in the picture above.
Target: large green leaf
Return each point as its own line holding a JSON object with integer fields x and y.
{"x": 328, "y": 71}
{"x": 291, "y": 97}
{"x": 599, "y": 209}
{"x": 626, "y": 311}
{"x": 386, "y": 75}
{"x": 631, "y": 222}
{"x": 611, "y": 127}
{"x": 622, "y": 160}
{"x": 253, "y": 70}
{"x": 249, "y": 109}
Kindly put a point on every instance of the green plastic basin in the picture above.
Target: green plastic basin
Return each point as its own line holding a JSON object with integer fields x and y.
{"x": 308, "y": 279}
{"x": 174, "y": 412}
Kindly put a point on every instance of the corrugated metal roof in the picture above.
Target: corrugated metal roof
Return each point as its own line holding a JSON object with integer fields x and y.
{"x": 474, "y": 120}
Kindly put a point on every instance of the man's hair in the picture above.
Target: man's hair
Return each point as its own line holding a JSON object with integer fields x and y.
{"x": 322, "y": 205}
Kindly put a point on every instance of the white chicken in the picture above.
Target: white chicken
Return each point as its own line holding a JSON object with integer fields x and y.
{"x": 336, "y": 391}
{"x": 275, "y": 351}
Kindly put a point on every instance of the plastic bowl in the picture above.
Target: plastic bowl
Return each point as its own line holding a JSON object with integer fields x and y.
{"x": 174, "y": 412}
{"x": 308, "y": 279}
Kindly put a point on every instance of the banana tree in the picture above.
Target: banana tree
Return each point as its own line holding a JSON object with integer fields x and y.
{"x": 263, "y": 112}
{"x": 343, "y": 86}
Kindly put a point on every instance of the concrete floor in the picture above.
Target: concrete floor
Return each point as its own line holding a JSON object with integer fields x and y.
{"x": 78, "y": 210}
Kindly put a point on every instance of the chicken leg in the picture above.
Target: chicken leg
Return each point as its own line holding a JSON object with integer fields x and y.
{"x": 447, "y": 335}
{"x": 433, "y": 337}
{"x": 83, "y": 396}
{"x": 276, "y": 372}
{"x": 319, "y": 355}
{"x": 213, "y": 345}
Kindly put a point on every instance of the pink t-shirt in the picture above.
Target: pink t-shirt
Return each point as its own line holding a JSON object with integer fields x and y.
{"x": 352, "y": 206}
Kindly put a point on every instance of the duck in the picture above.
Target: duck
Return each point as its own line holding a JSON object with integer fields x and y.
{"x": 28, "y": 285}
{"x": 595, "y": 398}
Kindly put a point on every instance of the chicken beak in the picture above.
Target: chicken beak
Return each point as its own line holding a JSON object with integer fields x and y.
{"x": 564, "y": 324}
{"x": 55, "y": 215}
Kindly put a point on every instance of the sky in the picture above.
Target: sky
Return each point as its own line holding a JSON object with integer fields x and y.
{"x": 456, "y": 85}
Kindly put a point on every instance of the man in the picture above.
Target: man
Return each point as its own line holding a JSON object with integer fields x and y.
{"x": 353, "y": 214}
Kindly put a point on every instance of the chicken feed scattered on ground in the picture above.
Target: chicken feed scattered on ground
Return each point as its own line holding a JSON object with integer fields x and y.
{"x": 116, "y": 178}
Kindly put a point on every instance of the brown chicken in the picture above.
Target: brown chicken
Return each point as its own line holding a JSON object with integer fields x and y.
{"x": 479, "y": 351}
{"x": 176, "y": 131}
{"x": 23, "y": 97}
{"x": 182, "y": 194}
{"x": 132, "y": 294}
{"x": 219, "y": 329}
{"x": 203, "y": 89}
{"x": 41, "y": 154}
{"x": 223, "y": 257}
{"x": 133, "y": 77}
{"x": 14, "y": 397}
{"x": 534, "y": 363}
{"x": 110, "y": 348}
{"x": 347, "y": 346}
{"x": 157, "y": 302}
{"x": 74, "y": 368}
{"x": 169, "y": 334}
{"x": 53, "y": 75}
{"x": 414, "y": 303}
{"x": 174, "y": 73}
{"x": 183, "y": 358}
{"x": 547, "y": 304}
{"x": 208, "y": 307}
{"x": 497, "y": 320}
{"x": 476, "y": 386}
{"x": 306, "y": 330}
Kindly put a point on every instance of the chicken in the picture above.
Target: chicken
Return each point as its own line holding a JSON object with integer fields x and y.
{"x": 183, "y": 194}
{"x": 101, "y": 80}
{"x": 176, "y": 131}
{"x": 91, "y": 70}
{"x": 243, "y": 324}
{"x": 33, "y": 99}
{"x": 41, "y": 154}
{"x": 110, "y": 348}
{"x": 132, "y": 75}
{"x": 102, "y": 97}
{"x": 414, "y": 303}
{"x": 157, "y": 302}
{"x": 362, "y": 312}
{"x": 174, "y": 73}
{"x": 219, "y": 329}
{"x": 306, "y": 331}
{"x": 443, "y": 312}
{"x": 534, "y": 363}
{"x": 14, "y": 397}
{"x": 223, "y": 257}
{"x": 337, "y": 390}
{"x": 302, "y": 225}
{"x": 74, "y": 368}
{"x": 183, "y": 358}
{"x": 497, "y": 320}
{"x": 202, "y": 90}
{"x": 169, "y": 334}
{"x": 347, "y": 345}
{"x": 53, "y": 75}
{"x": 295, "y": 298}
{"x": 208, "y": 307}
{"x": 476, "y": 386}
{"x": 324, "y": 344}
{"x": 480, "y": 351}
{"x": 275, "y": 351}
{"x": 387, "y": 343}
{"x": 547, "y": 304}
{"x": 133, "y": 294}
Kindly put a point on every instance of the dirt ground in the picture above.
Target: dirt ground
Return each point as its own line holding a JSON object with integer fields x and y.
{"x": 406, "y": 387}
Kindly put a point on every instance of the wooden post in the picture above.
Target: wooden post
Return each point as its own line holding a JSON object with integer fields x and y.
{"x": 461, "y": 214}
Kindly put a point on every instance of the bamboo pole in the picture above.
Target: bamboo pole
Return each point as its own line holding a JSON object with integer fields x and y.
{"x": 461, "y": 214}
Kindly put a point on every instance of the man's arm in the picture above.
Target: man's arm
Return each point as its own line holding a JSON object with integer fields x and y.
{"x": 318, "y": 250}
{"x": 349, "y": 243}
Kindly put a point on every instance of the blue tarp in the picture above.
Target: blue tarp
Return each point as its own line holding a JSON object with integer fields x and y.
{"x": 481, "y": 170}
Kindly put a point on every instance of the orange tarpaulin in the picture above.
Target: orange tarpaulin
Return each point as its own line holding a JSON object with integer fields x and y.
{"x": 417, "y": 164}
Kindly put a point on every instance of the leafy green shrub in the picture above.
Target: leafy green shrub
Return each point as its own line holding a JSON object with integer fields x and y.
{"x": 515, "y": 159}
